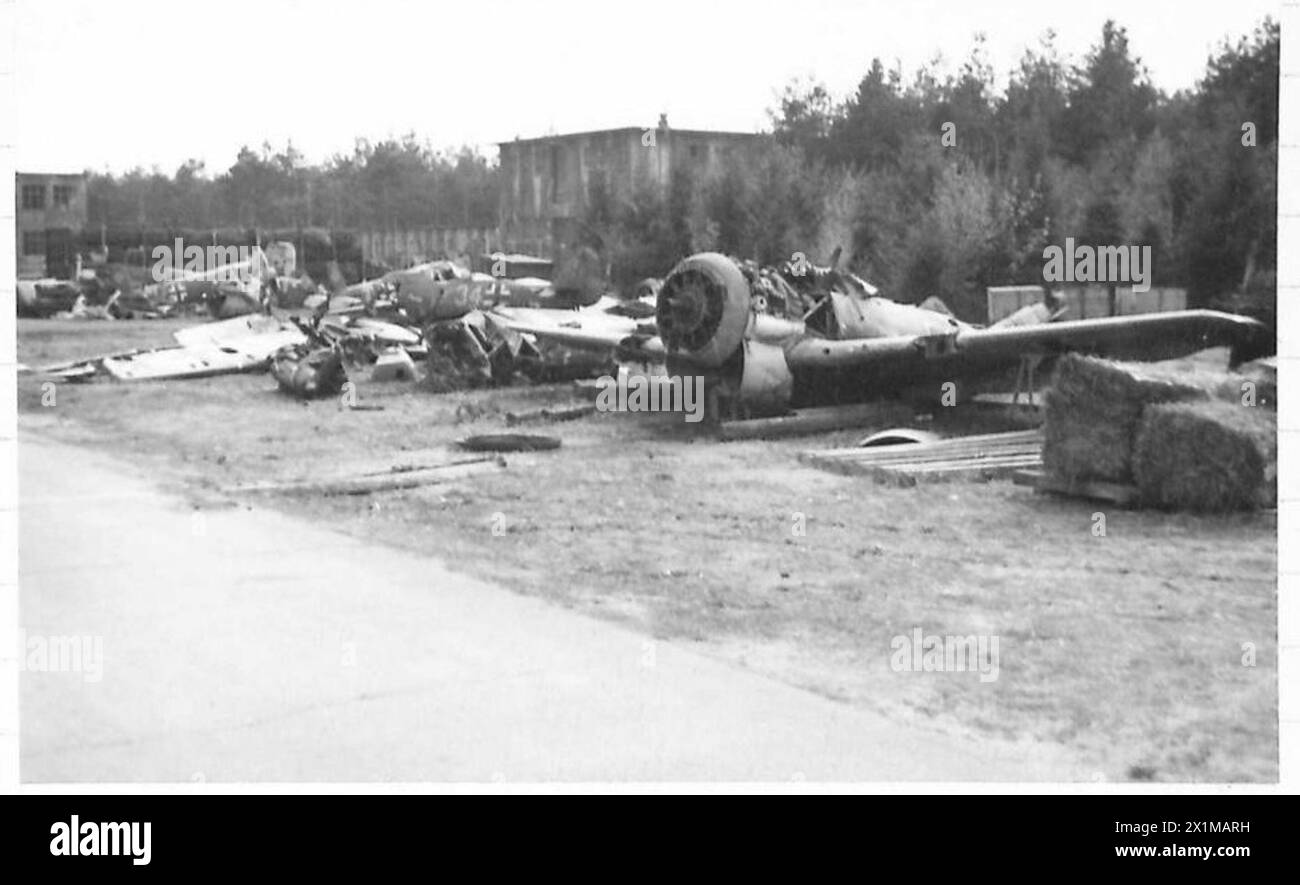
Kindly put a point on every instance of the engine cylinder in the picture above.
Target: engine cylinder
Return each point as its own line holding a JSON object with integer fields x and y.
{"x": 703, "y": 309}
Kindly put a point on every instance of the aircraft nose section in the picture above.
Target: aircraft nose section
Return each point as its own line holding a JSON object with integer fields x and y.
{"x": 703, "y": 309}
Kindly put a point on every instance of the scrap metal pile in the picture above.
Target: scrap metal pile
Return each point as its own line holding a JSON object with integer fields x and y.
{"x": 332, "y": 346}
{"x": 439, "y": 315}
{"x": 443, "y": 315}
{"x": 240, "y": 344}
{"x": 122, "y": 291}
{"x": 761, "y": 339}
{"x": 91, "y": 296}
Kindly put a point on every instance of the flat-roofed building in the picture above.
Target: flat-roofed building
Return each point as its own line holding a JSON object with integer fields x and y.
{"x": 547, "y": 182}
{"x": 49, "y": 219}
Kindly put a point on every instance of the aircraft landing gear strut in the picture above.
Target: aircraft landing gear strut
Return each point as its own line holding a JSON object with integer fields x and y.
{"x": 1025, "y": 378}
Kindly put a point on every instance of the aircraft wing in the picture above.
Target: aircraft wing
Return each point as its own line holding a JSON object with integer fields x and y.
{"x": 256, "y": 266}
{"x": 1144, "y": 336}
{"x": 585, "y": 329}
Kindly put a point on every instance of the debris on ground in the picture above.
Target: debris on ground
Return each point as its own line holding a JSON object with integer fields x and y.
{"x": 820, "y": 419}
{"x": 169, "y": 363}
{"x": 393, "y": 479}
{"x": 551, "y": 413}
{"x": 985, "y": 456}
{"x": 94, "y": 295}
{"x": 509, "y": 442}
{"x": 47, "y": 297}
{"x": 241, "y": 344}
{"x": 898, "y": 436}
{"x": 309, "y": 370}
{"x": 393, "y": 365}
{"x": 460, "y": 354}
{"x": 258, "y": 335}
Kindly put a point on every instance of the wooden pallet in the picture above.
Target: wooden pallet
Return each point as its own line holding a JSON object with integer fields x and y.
{"x": 1096, "y": 490}
{"x": 986, "y": 456}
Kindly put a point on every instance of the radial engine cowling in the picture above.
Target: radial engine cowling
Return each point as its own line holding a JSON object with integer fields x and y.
{"x": 703, "y": 309}
{"x": 706, "y": 319}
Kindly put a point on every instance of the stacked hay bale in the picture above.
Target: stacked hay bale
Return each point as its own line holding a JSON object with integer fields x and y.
{"x": 1206, "y": 456}
{"x": 1201, "y": 447}
{"x": 1092, "y": 414}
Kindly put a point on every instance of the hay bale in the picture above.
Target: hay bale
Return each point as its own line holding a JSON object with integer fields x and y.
{"x": 1081, "y": 444}
{"x": 1212, "y": 456}
{"x": 1093, "y": 409}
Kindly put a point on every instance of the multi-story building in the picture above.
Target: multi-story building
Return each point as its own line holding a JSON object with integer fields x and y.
{"x": 50, "y": 220}
{"x": 546, "y": 182}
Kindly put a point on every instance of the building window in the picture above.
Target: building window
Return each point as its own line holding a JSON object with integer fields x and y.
{"x": 63, "y": 194}
{"x": 696, "y": 152}
{"x": 34, "y": 242}
{"x": 33, "y": 196}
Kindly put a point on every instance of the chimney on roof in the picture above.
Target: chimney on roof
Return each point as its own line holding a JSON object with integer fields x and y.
{"x": 663, "y": 121}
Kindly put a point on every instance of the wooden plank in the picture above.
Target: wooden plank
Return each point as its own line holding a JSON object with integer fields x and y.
{"x": 921, "y": 456}
{"x": 1018, "y": 461}
{"x": 551, "y": 413}
{"x": 991, "y": 455}
{"x": 957, "y": 470}
{"x": 954, "y": 444}
{"x": 937, "y": 454}
{"x": 806, "y": 421}
{"x": 365, "y": 483}
{"x": 1004, "y": 465}
{"x": 1024, "y": 459}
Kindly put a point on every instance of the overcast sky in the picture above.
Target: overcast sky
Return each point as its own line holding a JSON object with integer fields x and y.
{"x": 121, "y": 84}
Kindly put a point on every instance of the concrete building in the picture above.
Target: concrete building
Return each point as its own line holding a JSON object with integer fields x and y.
{"x": 546, "y": 182}
{"x": 402, "y": 248}
{"x": 50, "y": 220}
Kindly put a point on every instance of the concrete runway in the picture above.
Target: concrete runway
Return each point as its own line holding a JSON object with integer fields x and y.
{"x": 245, "y": 645}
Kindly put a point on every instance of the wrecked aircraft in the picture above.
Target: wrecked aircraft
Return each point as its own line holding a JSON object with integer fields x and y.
{"x": 41, "y": 299}
{"x": 333, "y": 345}
{"x": 766, "y": 339}
{"x": 467, "y": 343}
{"x": 90, "y": 296}
{"x": 226, "y": 290}
{"x": 240, "y": 344}
{"x": 309, "y": 370}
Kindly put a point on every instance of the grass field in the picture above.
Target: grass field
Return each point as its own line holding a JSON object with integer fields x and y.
{"x": 1126, "y": 648}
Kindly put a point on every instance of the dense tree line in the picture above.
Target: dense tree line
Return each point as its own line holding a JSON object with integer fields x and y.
{"x": 934, "y": 184}
{"x": 942, "y": 184}
{"x": 392, "y": 184}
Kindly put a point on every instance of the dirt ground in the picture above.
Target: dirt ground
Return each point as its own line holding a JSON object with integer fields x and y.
{"x": 1127, "y": 648}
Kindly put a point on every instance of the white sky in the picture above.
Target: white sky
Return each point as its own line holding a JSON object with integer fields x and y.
{"x": 119, "y": 84}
